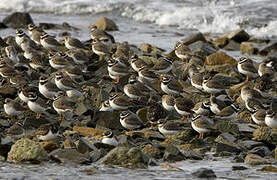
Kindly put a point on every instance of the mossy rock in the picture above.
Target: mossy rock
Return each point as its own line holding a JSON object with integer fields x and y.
{"x": 226, "y": 126}
{"x": 27, "y": 150}
{"x": 245, "y": 115}
{"x": 149, "y": 60}
{"x": 220, "y": 58}
{"x": 126, "y": 157}
{"x": 149, "y": 149}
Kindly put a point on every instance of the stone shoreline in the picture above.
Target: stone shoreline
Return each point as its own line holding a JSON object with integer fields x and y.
{"x": 80, "y": 136}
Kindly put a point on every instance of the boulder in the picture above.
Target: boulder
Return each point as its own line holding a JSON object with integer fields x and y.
{"x": 151, "y": 150}
{"x": 271, "y": 47}
{"x": 238, "y": 35}
{"x": 204, "y": 173}
{"x": 254, "y": 159}
{"x": 227, "y": 147}
{"x": 27, "y": 150}
{"x": 261, "y": 151}
{"x": 150, "y": 49}
{"x": 106, "y": 24}
{"x": 192, "y": 38}
{"x": 108, "y": 120}
{"x": 250, "y": 144}
{"x": 18, "y": 20}
{"x": 220, "y": 58}
{"x": 269, "y": 169}
{"x": 266, "y": 135}
{"x": 202, "y": 49}
{"x": 232, "y": 46}
{"x": 126, "y": 157}
{"x": 64, "y": 26}
{"x": 225, "y": 137}
{"x": 239, "y": 168}
{"x": 49, "y": 145}
{"x": 85, "y": 131}
{"x": 69, "y": 156}
{"x": 172, "y": 153}
{"x": 248, "y": 48}
{"x": 221, "y": 42}
{"x": 226, "y": 126}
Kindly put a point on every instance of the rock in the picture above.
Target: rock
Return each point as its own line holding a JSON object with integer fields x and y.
{"x": 239, "y": 168}
{"x": 227, "y": 147}
{"x": 185, "y": 134}
{"x": 18, "y": 20}
{"x": 264, "y": 134}
{"x": 84, "y": 146}
{"x": 204, "y": 173}
{"x": 245, "y": 128}
{"x": 151, "y": 150}
{"x": 97, "y": 154}
{"x": 232, "y": 46}
{"x": 192, "y": 38}
{"x": 249, "y": 144}
{"x": 64, "y": 26}
{"x": 225, "y": 137}
{"x": 27, "y": 150}
{"x": 245, "y": 115}
{"x": 106, "y": 24}
{"x": 275, "y": 153}
{"x": 150, "y": 49}
{"x": 108, "y": 120}
{"x": 126, "y": 157}
{"x": 261, "y": 151}
{"x": 172, "y": 154}
{"x": 269, "y": 48}
{"x": 221, "y": 42}
{"x": 85, "y": 131}
{"x": 193, "y": 155}
{"x": 8, "y": 91}
{"x": 248, "y": 48}
{"x": 69, "y": 156}
{"x": 3, "y": 26}
{"x": 269, "y": 169}
{"x": 202, "y": 49}
{"x": 220, "y": 58}
{"x": 254, "y": 159}
{"x": 49, "y": 145}
{"x": 5, "y": 146}
{"x": 227, "y": 127}
{"x": 150, "y": 134}
{"x": 232, "y": 77}
{"x": 156, "y": 112}
{"x": 238, "y": 35}
{"x": 2, "y": 43}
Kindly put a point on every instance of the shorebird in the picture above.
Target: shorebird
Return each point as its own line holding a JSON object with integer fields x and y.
{"x": 202, "y": 124}
{"x": 245, "y": 66}
{"x": 170, "y": 127}
{"x": 130, "y": 120}
{"x": 109, "y": 138}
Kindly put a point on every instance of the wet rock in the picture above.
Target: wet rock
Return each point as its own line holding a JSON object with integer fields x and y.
{"x": 106, "y": 24}
{"x": 265, "y": 134}
{"x": 245, "y": 115}
{"x": 202, "y": 49}
{"x": 64, "y": 25}
{"x": 185, "y": 134}
{"x": 239, "y": 168}
{"x": 149, "y": 134}
{"x": 269, "y": 169}
{"x": 261, "y": 151}
{"x": 107, "y": 147}
{"x": 151, "y": 150}
{"x": 69, "y": 156}
{"x": 97, "y": 154}
{"x": 172, "y": 153}
{"x": 248, "y": 48}
{"x": 193, "y": 155}
{"x": 221, "y": 42}
{"x": 220, "y": 58}
{"x": 18, "y": 20}
{"x": 249, "y": 144}
{"x": 245, "y": 128}
{"x": 27, "y": 150}
{"x": 84, "y": 146}
{"x": 3, "y": 26}
{"x": 227, "y": 147}
{"x": 204, "y": 173}
{"x": 225, "y": 137}
{"x": 238, "y": 35}
{"x": 5, "y": 146}
{"x": 85, "y": 131}
{"x": 226, "y": 69}
{"x": 126, "y": 157}
{"x": 232, "y": 46}
{"x": 192, "y": 38}
{"x": 254, "y": 159}
{"x": 150, "y": 49}
{"x": 108, "y": 120}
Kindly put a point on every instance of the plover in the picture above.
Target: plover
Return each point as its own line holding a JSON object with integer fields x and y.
{"x": 47, "y": 132}
{"x": 130, "y": 120}
{"x": 170, "y": 86}
{"x": 182, "y": 51}
{"x": 228, "y": 113}
{"x": 202, "y": 108}
{"x": 16, "y": 131}
{"x": 73, "y": 43}
{"x": 170, "y": 127}
{"x": 258, "y": 116}
{"x": 37, "y": 105}
{"x": 137, "y": 63}
{"x": 105, "y": 106}
{"x": 147, "y": 74}
{"x": 116, "y": 71}
{"x": 103, "y": 36}
{"x": 118, "y": 102}
{"x": 13, "y": 108}
{"x": 49, "y": 42}
{"x": 202, "y": 124}
{"x": 271, "y": 119}
{"x": 183, "y": 106}
{"x": 109, "y": 138}
{"x": 47, "y": 88}
{"x": 62, "y": 104}
{"x": 168, "y": 102}
{"x": 245, "y": 66}
{"x": 216, "y": 105}
{"x": 34, "y": 33}
{"x": 163, "y": 66}
{"x": 100, "y": 49}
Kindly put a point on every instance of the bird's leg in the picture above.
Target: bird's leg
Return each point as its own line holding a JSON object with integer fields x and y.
{"x": 117, "y": 80}
{"x": 38, "y": 116}
{"x": 246, "y": 80}
{"x": 100, "y": 58}
{"x": 183, "y": 118}
{"x": 60, "y": 116}
{"x": 201, "y": 135}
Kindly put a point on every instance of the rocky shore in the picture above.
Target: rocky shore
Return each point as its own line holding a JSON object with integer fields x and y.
{"x": 80, "y": 133}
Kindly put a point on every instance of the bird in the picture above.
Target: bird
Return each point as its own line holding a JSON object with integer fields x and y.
{"x": 130, "y": 120}
{"x": 247, "y": 93}
{"x": 202, "y": 108}
{"x": 171, "y": 86}
{"x": 170, "y": 127}
{"x": 216, "y": 105}
{"x": 16, "y": 131}
{"x": 47, "y": 132}
{"x": 271, "y": 119}
{"x": 163, "y": 66}
{"x": 228, "y": 113}
{"x": 245, "y": 66}
{"x": 79, "y": 56}
{"x": 102, "y": 35}
{"x": 47, "y": 88}
{"x": 116, "y": 71}
{"x": 147, "y": 74}
{"x": 13, "y": 108}
{"x": 212, "y": 86}
{"x": 168, "y": 102}
{"x": 59, "y": 61}
{"x": 105, "y": 106}
{"x": 137, "y": 63}
{"x": 266, "y": 67}
{"x": 118, "y": 102}
{"x": 182, "y": 51}
{"x": 19, "y": 36}
{"x": 35, "y": 33}
{"x": 202, "y": 124}
{"x": 49, "y": 42}
{"x": 196, "y": 80}
{"x": 73, "y": 43}
{"x": 62, "y": 104}
{"x": 258, "y": 116}
{"x": 100, "y": 49}
{"x": 183, "y": 106}
{"x": 109, "y": 138}
{"x": 37, "y": 105}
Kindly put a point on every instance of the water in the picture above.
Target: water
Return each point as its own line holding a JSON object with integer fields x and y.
{"x": 158, "y": 22}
